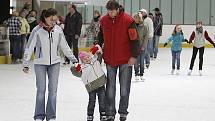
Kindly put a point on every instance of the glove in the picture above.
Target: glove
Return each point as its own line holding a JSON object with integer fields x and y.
{"x": 76, "y": 70}
{"x": 186, "y": 40}
{"x": 165, "y": 44}
{"x": 94, "y": 49}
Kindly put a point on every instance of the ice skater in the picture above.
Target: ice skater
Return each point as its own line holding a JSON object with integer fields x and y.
{"x": 199, "y": 36}
{"x": 176, "y": 38}
{"x": 94, "y": 79}
{"x": 47, "y": 38}
{"x": 143, "y": 36}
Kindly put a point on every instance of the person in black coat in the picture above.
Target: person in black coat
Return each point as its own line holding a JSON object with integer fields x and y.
{"x": 72, "y": 29}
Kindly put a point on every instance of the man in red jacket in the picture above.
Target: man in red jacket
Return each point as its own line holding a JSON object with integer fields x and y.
{"x": 120, "y": 38}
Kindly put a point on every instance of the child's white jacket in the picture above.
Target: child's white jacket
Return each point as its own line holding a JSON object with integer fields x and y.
{"x": 92, "y": 74}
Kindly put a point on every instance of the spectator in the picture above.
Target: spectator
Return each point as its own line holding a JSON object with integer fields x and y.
{"x": 72, "y": 29}
{"x": 14, "y": 25}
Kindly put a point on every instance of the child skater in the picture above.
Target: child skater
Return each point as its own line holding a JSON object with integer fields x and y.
{"x": 94, "y": 79}
{"x": 177, "y": 38}
{"x": 199, "y": 36}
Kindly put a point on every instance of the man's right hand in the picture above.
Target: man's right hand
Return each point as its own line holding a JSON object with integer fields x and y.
{"x": 25, "y": 70}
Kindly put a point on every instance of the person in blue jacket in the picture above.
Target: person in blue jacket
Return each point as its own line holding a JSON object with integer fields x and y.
{"x": 176, "y": 38}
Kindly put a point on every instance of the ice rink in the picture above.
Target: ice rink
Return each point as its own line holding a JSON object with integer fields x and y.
{"x": 161, "y": 97}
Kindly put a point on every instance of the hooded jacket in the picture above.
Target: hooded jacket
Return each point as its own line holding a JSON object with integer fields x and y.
{"x": 92, "y": 74}
{"x": 120, "y": 39}
{"x": 48, "y": 44}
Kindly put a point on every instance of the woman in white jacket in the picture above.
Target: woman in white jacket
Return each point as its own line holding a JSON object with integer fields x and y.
{"x": 48, "y": 38}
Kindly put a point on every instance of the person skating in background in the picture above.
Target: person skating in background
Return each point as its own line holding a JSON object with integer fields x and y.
{"x": 158, "y": 26}
{"x": 48, "y": 39}
{"x": 199, "y": 36}
{"x": 72, "y": 29}
{"x": 149, "y": 23}
{"x": 176, "y": 38}
{"x": 32, "y": 20}
{"x": 93, "y": 30}
{"x": 24, "y": 31}
{"x": 94, "y": 80}
{"x": 14, "y": 25}
{"x": 143, "y": 41}
{"x": 94, "y": 27}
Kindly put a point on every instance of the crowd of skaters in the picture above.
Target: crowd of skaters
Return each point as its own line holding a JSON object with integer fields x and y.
{"x": 126, "y": 41}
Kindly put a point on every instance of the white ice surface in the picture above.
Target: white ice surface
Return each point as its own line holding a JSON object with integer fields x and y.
{"x": 162, "y": 97}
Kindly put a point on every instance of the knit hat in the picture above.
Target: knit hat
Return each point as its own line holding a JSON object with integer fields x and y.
{"x": 82, "y": 54}
{"x": 143, "y": 10}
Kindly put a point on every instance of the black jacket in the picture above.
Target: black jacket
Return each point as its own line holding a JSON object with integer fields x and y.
{"x": 158, "y": 24}
{"x": 73, "y": 24}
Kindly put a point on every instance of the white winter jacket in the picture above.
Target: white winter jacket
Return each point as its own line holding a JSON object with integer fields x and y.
{"x": 149, "y": 23}
{"x": 93, "y": 76}
{"x": 47, "y": 46}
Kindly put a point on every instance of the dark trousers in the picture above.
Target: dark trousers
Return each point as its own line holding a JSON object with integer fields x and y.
{"x": 139, "y": 65}
{"x": 201, "y": 53}
{"x": 22, "y": 45}
{"x": 73, "y": 43}
{"x": 100, "y": 92}
{"x": 15, "y": 46}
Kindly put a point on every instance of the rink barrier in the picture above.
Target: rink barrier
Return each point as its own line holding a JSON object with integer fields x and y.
{"x": 7, "y": 59}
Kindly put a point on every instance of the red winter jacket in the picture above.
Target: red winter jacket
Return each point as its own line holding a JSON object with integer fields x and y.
{"x": 118, "y": 39}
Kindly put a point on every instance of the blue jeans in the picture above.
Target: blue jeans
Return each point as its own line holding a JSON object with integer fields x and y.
{"x": 53, "y": 74}
{"x": 125, "y": 74}
{"x": 176, "y": 57}
{"x": 100, "y": 92}
{"x": 155, "y": 43}
{"x": 139, "y": 65}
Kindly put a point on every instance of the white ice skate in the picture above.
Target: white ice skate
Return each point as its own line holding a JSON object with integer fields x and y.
{"x": 52, "y": 120}
{"x": 200, "y": 72}
{"x": 189, "y": 73}
{"x": 177, "y": 72}
{"x": 142, "y": 78}
{"x": 172, "y": 72}
{"x": 38, "y": 120}
{"x": 137, "y": 78}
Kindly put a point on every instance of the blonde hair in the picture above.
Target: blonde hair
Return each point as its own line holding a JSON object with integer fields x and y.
{"x": 139, "y": 17}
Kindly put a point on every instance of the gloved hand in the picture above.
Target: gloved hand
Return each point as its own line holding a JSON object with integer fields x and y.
{"x": 165, "y": 44}
{"x": 76, "y": 69}
{"x": 94, "y": 49}
{"x": 214, "y": 45}
{"x": 186, "y": 40}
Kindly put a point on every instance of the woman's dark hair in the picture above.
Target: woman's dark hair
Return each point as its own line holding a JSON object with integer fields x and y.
{"x": 112, "y": 5}
{"x": 47, "y": 13}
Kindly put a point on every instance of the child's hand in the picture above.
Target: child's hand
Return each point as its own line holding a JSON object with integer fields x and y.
{"x": 94, "y": 49}
{"x": 165, "y": 44}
